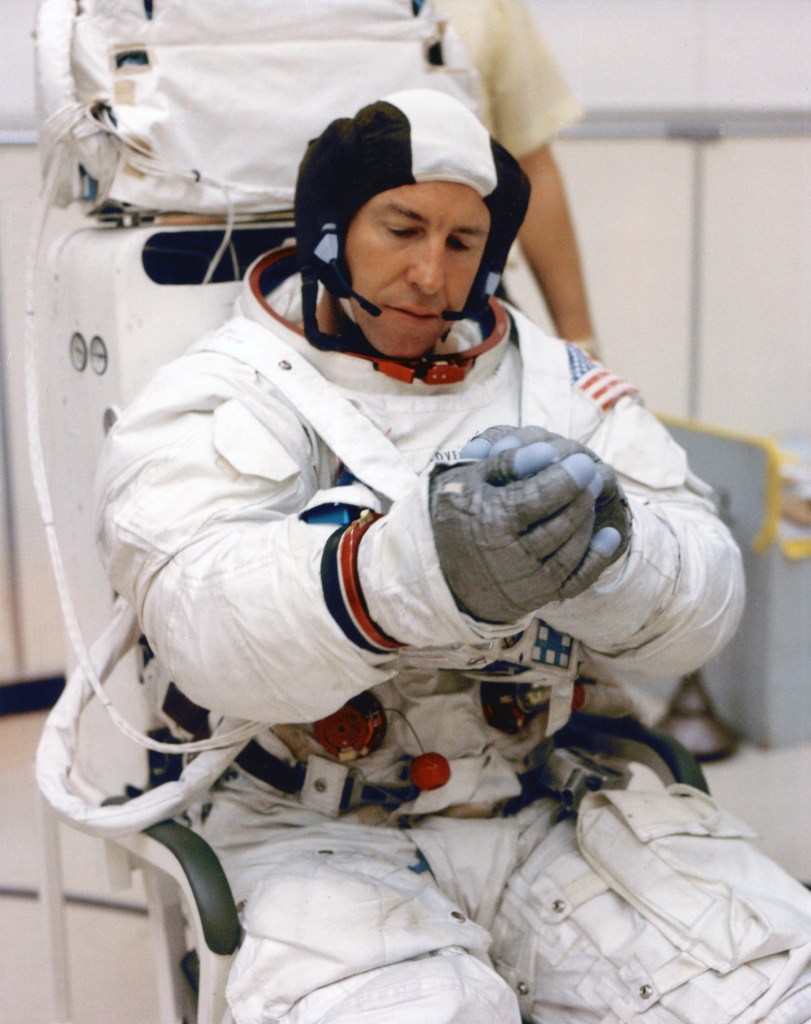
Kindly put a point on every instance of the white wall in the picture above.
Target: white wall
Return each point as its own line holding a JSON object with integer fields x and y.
{"x": 710, "y": 317}
{"x": 10, "y": 646}
{"x": 697, "y": 253}
{"x": 17, "y": 103}
{"x": 713, "y": 319}
{"x": 36, "y": 651}
{"x": 626, "y": 54}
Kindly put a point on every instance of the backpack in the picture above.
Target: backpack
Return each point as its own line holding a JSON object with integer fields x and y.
{"x": 206, "y": 108}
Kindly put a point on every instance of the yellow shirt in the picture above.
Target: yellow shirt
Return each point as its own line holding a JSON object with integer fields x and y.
{"x": 525, "y": 98}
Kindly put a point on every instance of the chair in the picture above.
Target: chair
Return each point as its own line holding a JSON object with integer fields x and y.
{"x": 189, "y": 902}
{"x": 112, "y": 292}
{"x": 112, "y": 286}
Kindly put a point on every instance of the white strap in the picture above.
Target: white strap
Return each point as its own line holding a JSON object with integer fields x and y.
{"x": 583, "y": 889}
{"x": 678, "y": 971}
{"x": 364, "y": 450}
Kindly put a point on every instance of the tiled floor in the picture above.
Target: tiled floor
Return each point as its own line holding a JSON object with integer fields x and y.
{"x": 111, "y": 976}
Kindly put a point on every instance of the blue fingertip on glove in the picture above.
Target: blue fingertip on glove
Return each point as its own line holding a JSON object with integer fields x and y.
{"x": 580, "y": 468}
{"x": 606, "y": 541}
{"x": 505, "y": 444}
{"x": 532, "y": 458}
{"x": 478, "y": 448}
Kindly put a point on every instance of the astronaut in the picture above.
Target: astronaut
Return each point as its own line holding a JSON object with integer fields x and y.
{"x": 383, "y": 513}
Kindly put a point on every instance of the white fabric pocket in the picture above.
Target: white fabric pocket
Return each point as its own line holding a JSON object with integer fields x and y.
{"x": 225, "y": 464}
{"x": 247, "y": 447}
{"x": 688, "y": 867}
{"x": 576, "y": 949}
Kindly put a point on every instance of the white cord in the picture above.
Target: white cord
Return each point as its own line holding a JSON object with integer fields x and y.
{"x": 42, "y": 490}
{"x": 226, "y": 238}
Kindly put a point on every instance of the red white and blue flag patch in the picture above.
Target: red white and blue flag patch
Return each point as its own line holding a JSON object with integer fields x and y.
{"x": 595, "y": 380}
{"x": 605, "y": 387}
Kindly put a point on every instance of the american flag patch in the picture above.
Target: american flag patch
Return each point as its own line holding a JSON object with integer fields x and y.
{"x": 579, "y": 361}
{"x": 605, "y": 387}
{"x": 600, "y": 384}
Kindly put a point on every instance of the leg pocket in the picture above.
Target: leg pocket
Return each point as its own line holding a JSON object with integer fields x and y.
{"x": 689, "y": 868}
{"x": 578, "y": 952}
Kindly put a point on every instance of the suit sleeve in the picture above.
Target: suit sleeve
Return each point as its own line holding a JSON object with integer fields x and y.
{"x": 676, "y": 597}
{"x": 198, "y": 496}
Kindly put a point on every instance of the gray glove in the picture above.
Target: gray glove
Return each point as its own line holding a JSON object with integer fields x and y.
{"x": 611, "y": 507}
{"x": 535, "y": 518}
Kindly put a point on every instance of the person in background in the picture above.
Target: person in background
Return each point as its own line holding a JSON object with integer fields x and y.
{"x": 525, "y": 103}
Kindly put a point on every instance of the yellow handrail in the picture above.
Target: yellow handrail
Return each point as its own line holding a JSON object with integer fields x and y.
{"x": 768, "y": 533}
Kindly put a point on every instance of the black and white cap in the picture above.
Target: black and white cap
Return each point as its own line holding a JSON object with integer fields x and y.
{"x": 409, "y": 137}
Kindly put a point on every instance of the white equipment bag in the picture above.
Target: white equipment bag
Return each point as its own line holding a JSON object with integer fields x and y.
{"x": 207, "y": 107}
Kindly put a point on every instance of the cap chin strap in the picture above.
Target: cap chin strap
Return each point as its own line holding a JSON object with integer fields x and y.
{"x": 328, "y": 251}
{"x": 351, "y": 339}
{"x": 486, "y": 292}
{"x": 441, "y": 369}
{"x": 431, "y": 369}
{"x": 271, "y": 270}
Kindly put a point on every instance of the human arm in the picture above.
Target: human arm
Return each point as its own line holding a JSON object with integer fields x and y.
{"x": 670, "y": 604}
{"x": 549, "y": 243}
{"x": 525, "y": 104}
{"x": 676, "y": 598}
{"x": 200, "y": 492}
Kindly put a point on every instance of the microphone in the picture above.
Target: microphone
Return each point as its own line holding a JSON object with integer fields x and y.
{"x": 370, "y": 307}
{"x": 327, "y": 251}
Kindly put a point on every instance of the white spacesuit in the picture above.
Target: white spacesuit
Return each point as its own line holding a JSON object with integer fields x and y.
{"x": 272, "y": 505}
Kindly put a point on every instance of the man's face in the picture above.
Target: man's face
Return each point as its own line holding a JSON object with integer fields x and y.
{"x": 414, "y": 251}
